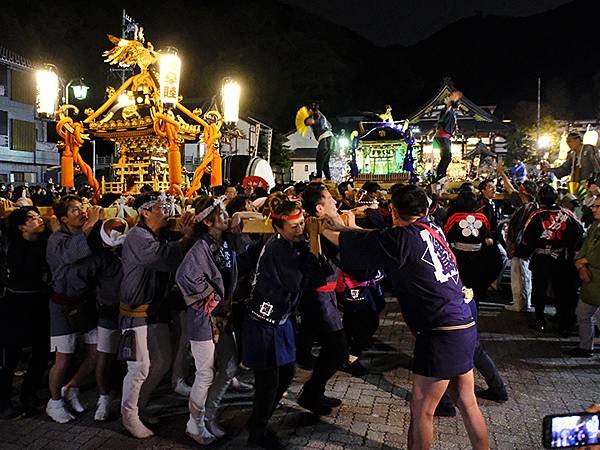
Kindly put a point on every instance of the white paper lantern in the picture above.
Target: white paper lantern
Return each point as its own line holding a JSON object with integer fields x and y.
{"x": 47, "y": 91}
{"x": 590, "y": 137}
{"x": 170, "y": 69}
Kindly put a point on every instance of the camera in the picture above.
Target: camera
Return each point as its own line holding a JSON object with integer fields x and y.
{"x": 571, "y": 430}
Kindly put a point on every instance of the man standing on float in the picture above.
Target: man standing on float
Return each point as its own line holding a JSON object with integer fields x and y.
{"x": 446, "y": 127}
{"x": 322, "y": 130}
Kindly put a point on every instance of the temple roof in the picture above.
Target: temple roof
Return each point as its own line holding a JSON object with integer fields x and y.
{"x": 470, "y": 116}
{"x": 11, "y": 58}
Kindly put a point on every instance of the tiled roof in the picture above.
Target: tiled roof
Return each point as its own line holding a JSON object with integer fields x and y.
{"x": 11, "y": 58}
{"x": 303, "y": 154}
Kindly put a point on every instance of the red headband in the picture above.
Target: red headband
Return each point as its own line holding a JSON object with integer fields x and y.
{"x": 523, "y": 191}
{"x": 287, "y": 217}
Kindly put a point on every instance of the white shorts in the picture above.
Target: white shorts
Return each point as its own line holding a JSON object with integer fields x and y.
{"x": 108, "y": 340}
{"x": 67, "y": 343}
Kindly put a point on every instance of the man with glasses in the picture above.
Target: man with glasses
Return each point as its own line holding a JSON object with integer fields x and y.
{"x": 588, "y": 267}
{"x": 148, "y": 260}
{"x": 73, "y": 304}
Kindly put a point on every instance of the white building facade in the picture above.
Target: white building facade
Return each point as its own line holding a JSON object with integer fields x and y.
{"x": 25, "y": 153}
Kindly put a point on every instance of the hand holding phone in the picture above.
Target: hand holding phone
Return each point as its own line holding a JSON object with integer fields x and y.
{"x": 572, "y": 430}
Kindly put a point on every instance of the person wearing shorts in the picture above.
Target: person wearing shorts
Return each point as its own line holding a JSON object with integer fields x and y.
{"x": 426, "y": 281}
{"x": 72, "y": 305}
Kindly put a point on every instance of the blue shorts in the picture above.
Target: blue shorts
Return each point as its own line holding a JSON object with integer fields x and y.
{"x": 444, "y": 354}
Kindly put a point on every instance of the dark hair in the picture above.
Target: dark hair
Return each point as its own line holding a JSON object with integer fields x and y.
{"x": 343, "y": 187}
{"x": 260, "y": 192}
{"x": 18, "y": 192}
{"x": 144, "y": 198}
{"x": 574, "y": 135}
{"x": 547, "y": 195}
{"x": 409, "y": 200}
{"x": 370, "y": 187}
{"x": 279, "y": 203}
{"x": 530, "y": 187}
{"x": 484, "y": 183}
{"x": 466, "y": 201}
{"x": 312, "y": 196}
{"x": 217, "y": 191}
{"x": 108, "y": 199}
{"x": 200, "y": 204}
{"x": 17, "y": 218}
{"x": 236, "y": 204}
{"x": 299, "y": 187}
{"x": 61, "y": 207}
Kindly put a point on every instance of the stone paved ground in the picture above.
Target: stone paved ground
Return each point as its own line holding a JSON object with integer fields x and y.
{"x": 374, "y": 413}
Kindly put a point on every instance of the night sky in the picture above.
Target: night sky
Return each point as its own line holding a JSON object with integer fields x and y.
{"x": 406, "y": 22}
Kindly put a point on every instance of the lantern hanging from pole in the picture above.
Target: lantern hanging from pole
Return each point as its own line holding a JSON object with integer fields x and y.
{"x": 590, "y": 137}
{"x": 47, "y": 91}
{"x": 230, "y": 95}
{"x": 80, "y": 89}
{"x": 170, "y": 69}
{"x": 563, "y": 147}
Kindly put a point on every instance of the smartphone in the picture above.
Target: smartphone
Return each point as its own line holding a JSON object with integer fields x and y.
{"x": 571, "y": 430}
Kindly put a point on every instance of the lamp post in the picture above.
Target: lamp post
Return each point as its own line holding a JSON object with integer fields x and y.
{"x": 47, "y": 88}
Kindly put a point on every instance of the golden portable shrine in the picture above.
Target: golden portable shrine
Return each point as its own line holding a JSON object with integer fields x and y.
{"x": 146, "y": 119}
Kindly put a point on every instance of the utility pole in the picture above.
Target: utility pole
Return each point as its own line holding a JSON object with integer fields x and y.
{"x": 539, "y": 103}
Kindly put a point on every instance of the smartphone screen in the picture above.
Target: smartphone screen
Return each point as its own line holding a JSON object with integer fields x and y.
{"x": 571, "y": 430}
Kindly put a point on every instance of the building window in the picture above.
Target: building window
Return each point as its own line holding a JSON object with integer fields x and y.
{"x": 22, "y": 135}
{"x": 22, "y": 87}
{"x": 3, "y": 178}
{"x": 3, "y": 80}
{"x": 306, "y": 167}
{"x": 23, "y": 177}
{"x": 3, "y": 123}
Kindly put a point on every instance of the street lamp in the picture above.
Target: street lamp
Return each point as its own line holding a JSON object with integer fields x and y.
{"x": 544, "y": 142}
{"x": 47, "y": 87}
{"x": 170, "y": 69}
{"x": 80, "y": 89}
{"x": 230, "y": 96}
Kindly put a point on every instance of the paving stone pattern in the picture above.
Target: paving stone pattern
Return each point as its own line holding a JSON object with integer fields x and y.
{"x": 374, "y": 413}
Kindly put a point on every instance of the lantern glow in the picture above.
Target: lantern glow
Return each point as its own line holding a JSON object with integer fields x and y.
{"x": 170, "y": 69}
{"x": 47, "y": 91}
{"x": 563, "y": 148}
{"x": 544, "y": 141}
{"x": 230, "y": 94}
{"x": 80, "y": 90}
{"x": 590, "y": 137}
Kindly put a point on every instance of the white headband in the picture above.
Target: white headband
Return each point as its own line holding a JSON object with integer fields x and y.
{"x": 149, "y": 204}
{"x": 115, "y": 238}
{"x": 219, "y": 201}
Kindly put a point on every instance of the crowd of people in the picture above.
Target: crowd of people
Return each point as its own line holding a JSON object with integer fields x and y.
{"x": 144, "y": 294}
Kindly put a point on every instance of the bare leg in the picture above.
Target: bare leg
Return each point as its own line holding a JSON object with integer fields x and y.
{"x": 462, "y": 391}
{"x": 426, "y": 394}
{"x": 86, "y": 367}
{"x": 57, "y": 374}
{"x": 103, "y": 365}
